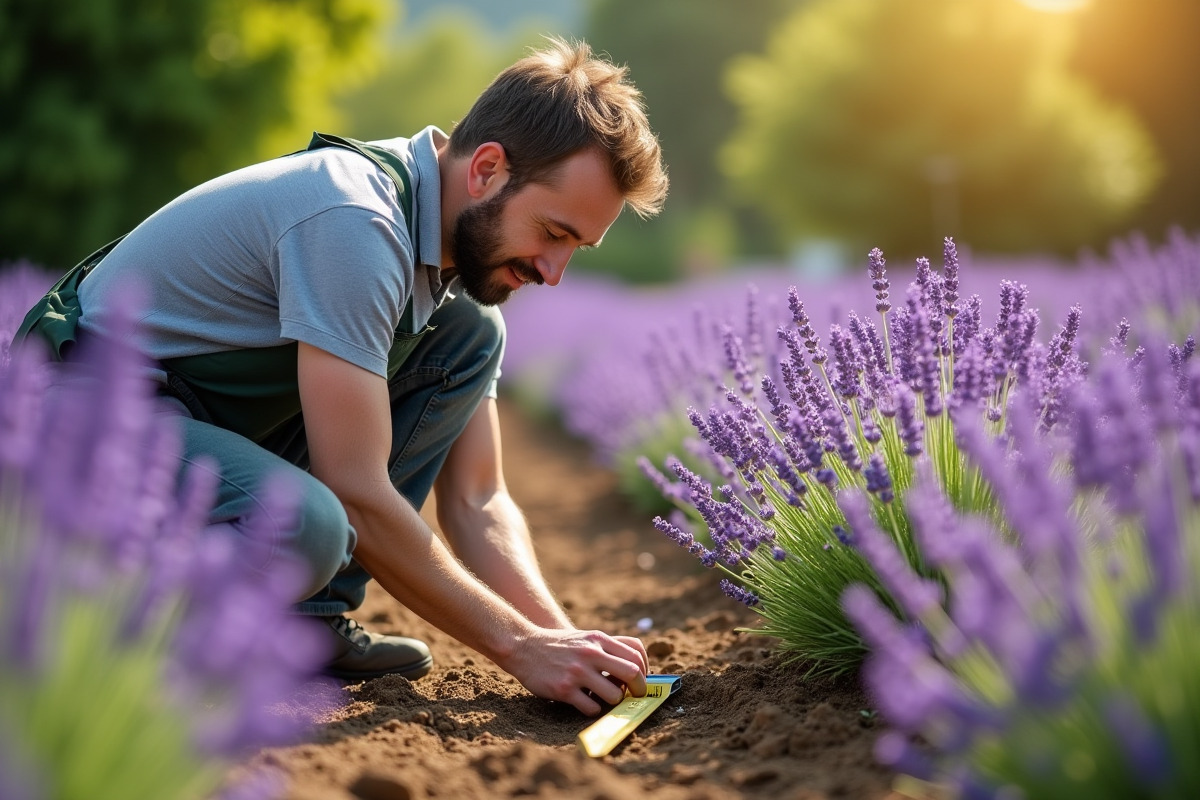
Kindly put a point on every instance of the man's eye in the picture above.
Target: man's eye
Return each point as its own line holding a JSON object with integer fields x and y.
{"x": 555, "y": 237}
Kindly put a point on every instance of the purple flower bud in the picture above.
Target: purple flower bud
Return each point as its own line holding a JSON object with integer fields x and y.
{"x": 843, "y": 441}
{"x": 971, "y": 379}
{"x": 879, "y": 482}
{"x": 739, "y": 593}
{"x": 968, "y": 323}
{"x": 950, "y": 278}
{"x": 911, "y": 425}
{"x": 735, "y": 359}
{"x": 1121, "y": 341}
{"x": 753, "y": 338}
{"x": 847, "y": 363}
{"x": 879, "y": 281}
{"x": 811, "y": 341}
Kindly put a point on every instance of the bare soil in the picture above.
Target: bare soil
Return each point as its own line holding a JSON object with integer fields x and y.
{"x": 743, "y": 725}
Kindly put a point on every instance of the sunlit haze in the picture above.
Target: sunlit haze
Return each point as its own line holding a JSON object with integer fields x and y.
{"x": 1055, "y": 6}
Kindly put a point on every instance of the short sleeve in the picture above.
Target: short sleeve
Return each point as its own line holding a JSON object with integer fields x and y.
{"x": 343, "y": 276}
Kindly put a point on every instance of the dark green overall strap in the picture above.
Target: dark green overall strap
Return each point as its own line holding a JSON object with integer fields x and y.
{"x": 55, "y": 317}
{"x": 397, "y": 170}
{"x": 254, "y": 391}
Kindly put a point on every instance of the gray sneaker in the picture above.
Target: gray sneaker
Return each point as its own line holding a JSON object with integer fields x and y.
{"x": 359, "y": 655}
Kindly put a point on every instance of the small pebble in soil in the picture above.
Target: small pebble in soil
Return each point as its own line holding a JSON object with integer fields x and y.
{"x": 644, "y": 624}
{"x": 646, "y": 561}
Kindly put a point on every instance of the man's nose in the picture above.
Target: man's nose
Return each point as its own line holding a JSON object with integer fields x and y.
{"x": 552, "y": 264}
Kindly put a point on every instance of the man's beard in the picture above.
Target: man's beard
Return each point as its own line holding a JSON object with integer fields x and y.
{"x": 474, "y": 243}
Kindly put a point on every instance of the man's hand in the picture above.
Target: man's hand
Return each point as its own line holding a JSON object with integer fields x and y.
{"x": 576, "y": 667}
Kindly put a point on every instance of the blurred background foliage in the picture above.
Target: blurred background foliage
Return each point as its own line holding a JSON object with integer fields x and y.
{"x": 799, "y": 132}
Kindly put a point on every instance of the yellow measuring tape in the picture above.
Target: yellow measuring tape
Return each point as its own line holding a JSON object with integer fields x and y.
{"x": 599, "y": 738}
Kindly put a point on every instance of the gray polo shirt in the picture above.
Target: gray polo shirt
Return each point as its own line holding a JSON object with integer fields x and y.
{"x": 310, "y": 247}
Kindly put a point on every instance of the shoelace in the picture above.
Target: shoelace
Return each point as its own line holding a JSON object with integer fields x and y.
{"x": 347, "y": 627}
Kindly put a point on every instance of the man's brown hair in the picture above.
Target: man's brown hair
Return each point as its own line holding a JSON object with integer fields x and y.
{"x": 557, "y": 102}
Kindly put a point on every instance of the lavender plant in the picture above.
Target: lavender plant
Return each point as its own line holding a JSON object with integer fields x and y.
{"x": 861, "y": 408}
{"x": 1064, "y": 663}
{"x": 139, "y": 655}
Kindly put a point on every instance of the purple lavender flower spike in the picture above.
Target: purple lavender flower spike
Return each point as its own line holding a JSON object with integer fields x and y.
{"x": 811, "y": 341}
{"x": 1120, "y": 342}
{"x": 950, "y": 278}
{"x": 847, "y": 362}
{"x": 780, "y": 410}
{"x": 22, "y": 387}
{"x": 37, "y": 582}
{"x": 1189, "y": 448}
{"x": 895, "y": 750}
{"x": 873, "y": 358}
{"x": 1157, "y": 385}
{"x": 922, "y": 350}
{"x": 753, "y": 338}
{"x": 915, "y": 594}
{"x": 942, "y": 537}
{"x": 879, "y": 281}
{"x": 971, "y": 383}
{"x": 735, "y": 359}
{"x": 742, "y": 595}
{"x": 668, "y": 489}
{"x": 1142, "y": 745}
{"x": 931, "y": 298}
{"x": 924, "y": 274}
{"x": 911, "y": 425}
{"x": 903, "y": 358}
{"x": 673, "y": 532}
{"x": 879, "y": 482}
{"x": 843, "y": 441}
{"x": 968, "y": 323}
{"x": 912, "y": 689}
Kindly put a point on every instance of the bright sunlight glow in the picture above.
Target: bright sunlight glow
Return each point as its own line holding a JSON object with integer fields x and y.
{"x": 1055, "y": 6}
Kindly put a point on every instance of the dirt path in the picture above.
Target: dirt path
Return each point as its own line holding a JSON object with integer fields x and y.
{"x": 742, "y": 726}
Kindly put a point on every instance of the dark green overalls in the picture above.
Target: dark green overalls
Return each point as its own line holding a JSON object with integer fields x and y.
{"x": 251, "y": 391}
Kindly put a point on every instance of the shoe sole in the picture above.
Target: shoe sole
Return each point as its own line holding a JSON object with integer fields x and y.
{"x": 418, "y": 669}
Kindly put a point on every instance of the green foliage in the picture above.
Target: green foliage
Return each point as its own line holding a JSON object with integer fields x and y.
{"x": 906, "y": 122}
{"x": 801, "y": 594}
{"x": 103, "y": 723}
{"x": 676, "y": 51}
{"x": 655, "y": 440}
{"x": 116, "y": 106}
{"x": 430, "y": 80}
{"x": 1144, "y": 53}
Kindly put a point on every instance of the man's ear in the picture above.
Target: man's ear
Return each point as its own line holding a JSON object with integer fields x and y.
{"x": 487, "y": 171}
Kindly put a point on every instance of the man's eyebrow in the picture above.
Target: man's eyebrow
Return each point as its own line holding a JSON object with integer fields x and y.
{"x": 570, "y": 231}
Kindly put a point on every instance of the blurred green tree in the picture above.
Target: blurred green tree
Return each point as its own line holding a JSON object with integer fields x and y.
{"x": 889, "y": 124}
{"x": 115, "y": 106}
{"x": 430, "y": 79}
{"x": 1146, "y": 53}
{"x": 676, "y": 51}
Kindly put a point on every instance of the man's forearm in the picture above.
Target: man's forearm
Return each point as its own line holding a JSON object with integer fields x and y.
{"x": 493, "y": 541}
{"x": 409, "y": 561}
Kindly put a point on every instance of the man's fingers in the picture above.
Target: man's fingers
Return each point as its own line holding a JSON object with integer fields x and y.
{"x": 585, "y": 702}
{"x": 608, "y": 689}
{"x": 639, "y": 648}
{"x": 628, "y": 664}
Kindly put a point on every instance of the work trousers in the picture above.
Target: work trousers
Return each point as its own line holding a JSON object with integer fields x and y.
{"x": 433, "y": 395}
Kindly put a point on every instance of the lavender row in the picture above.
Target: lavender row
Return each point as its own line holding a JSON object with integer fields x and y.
{"x": 138, "y": 651}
